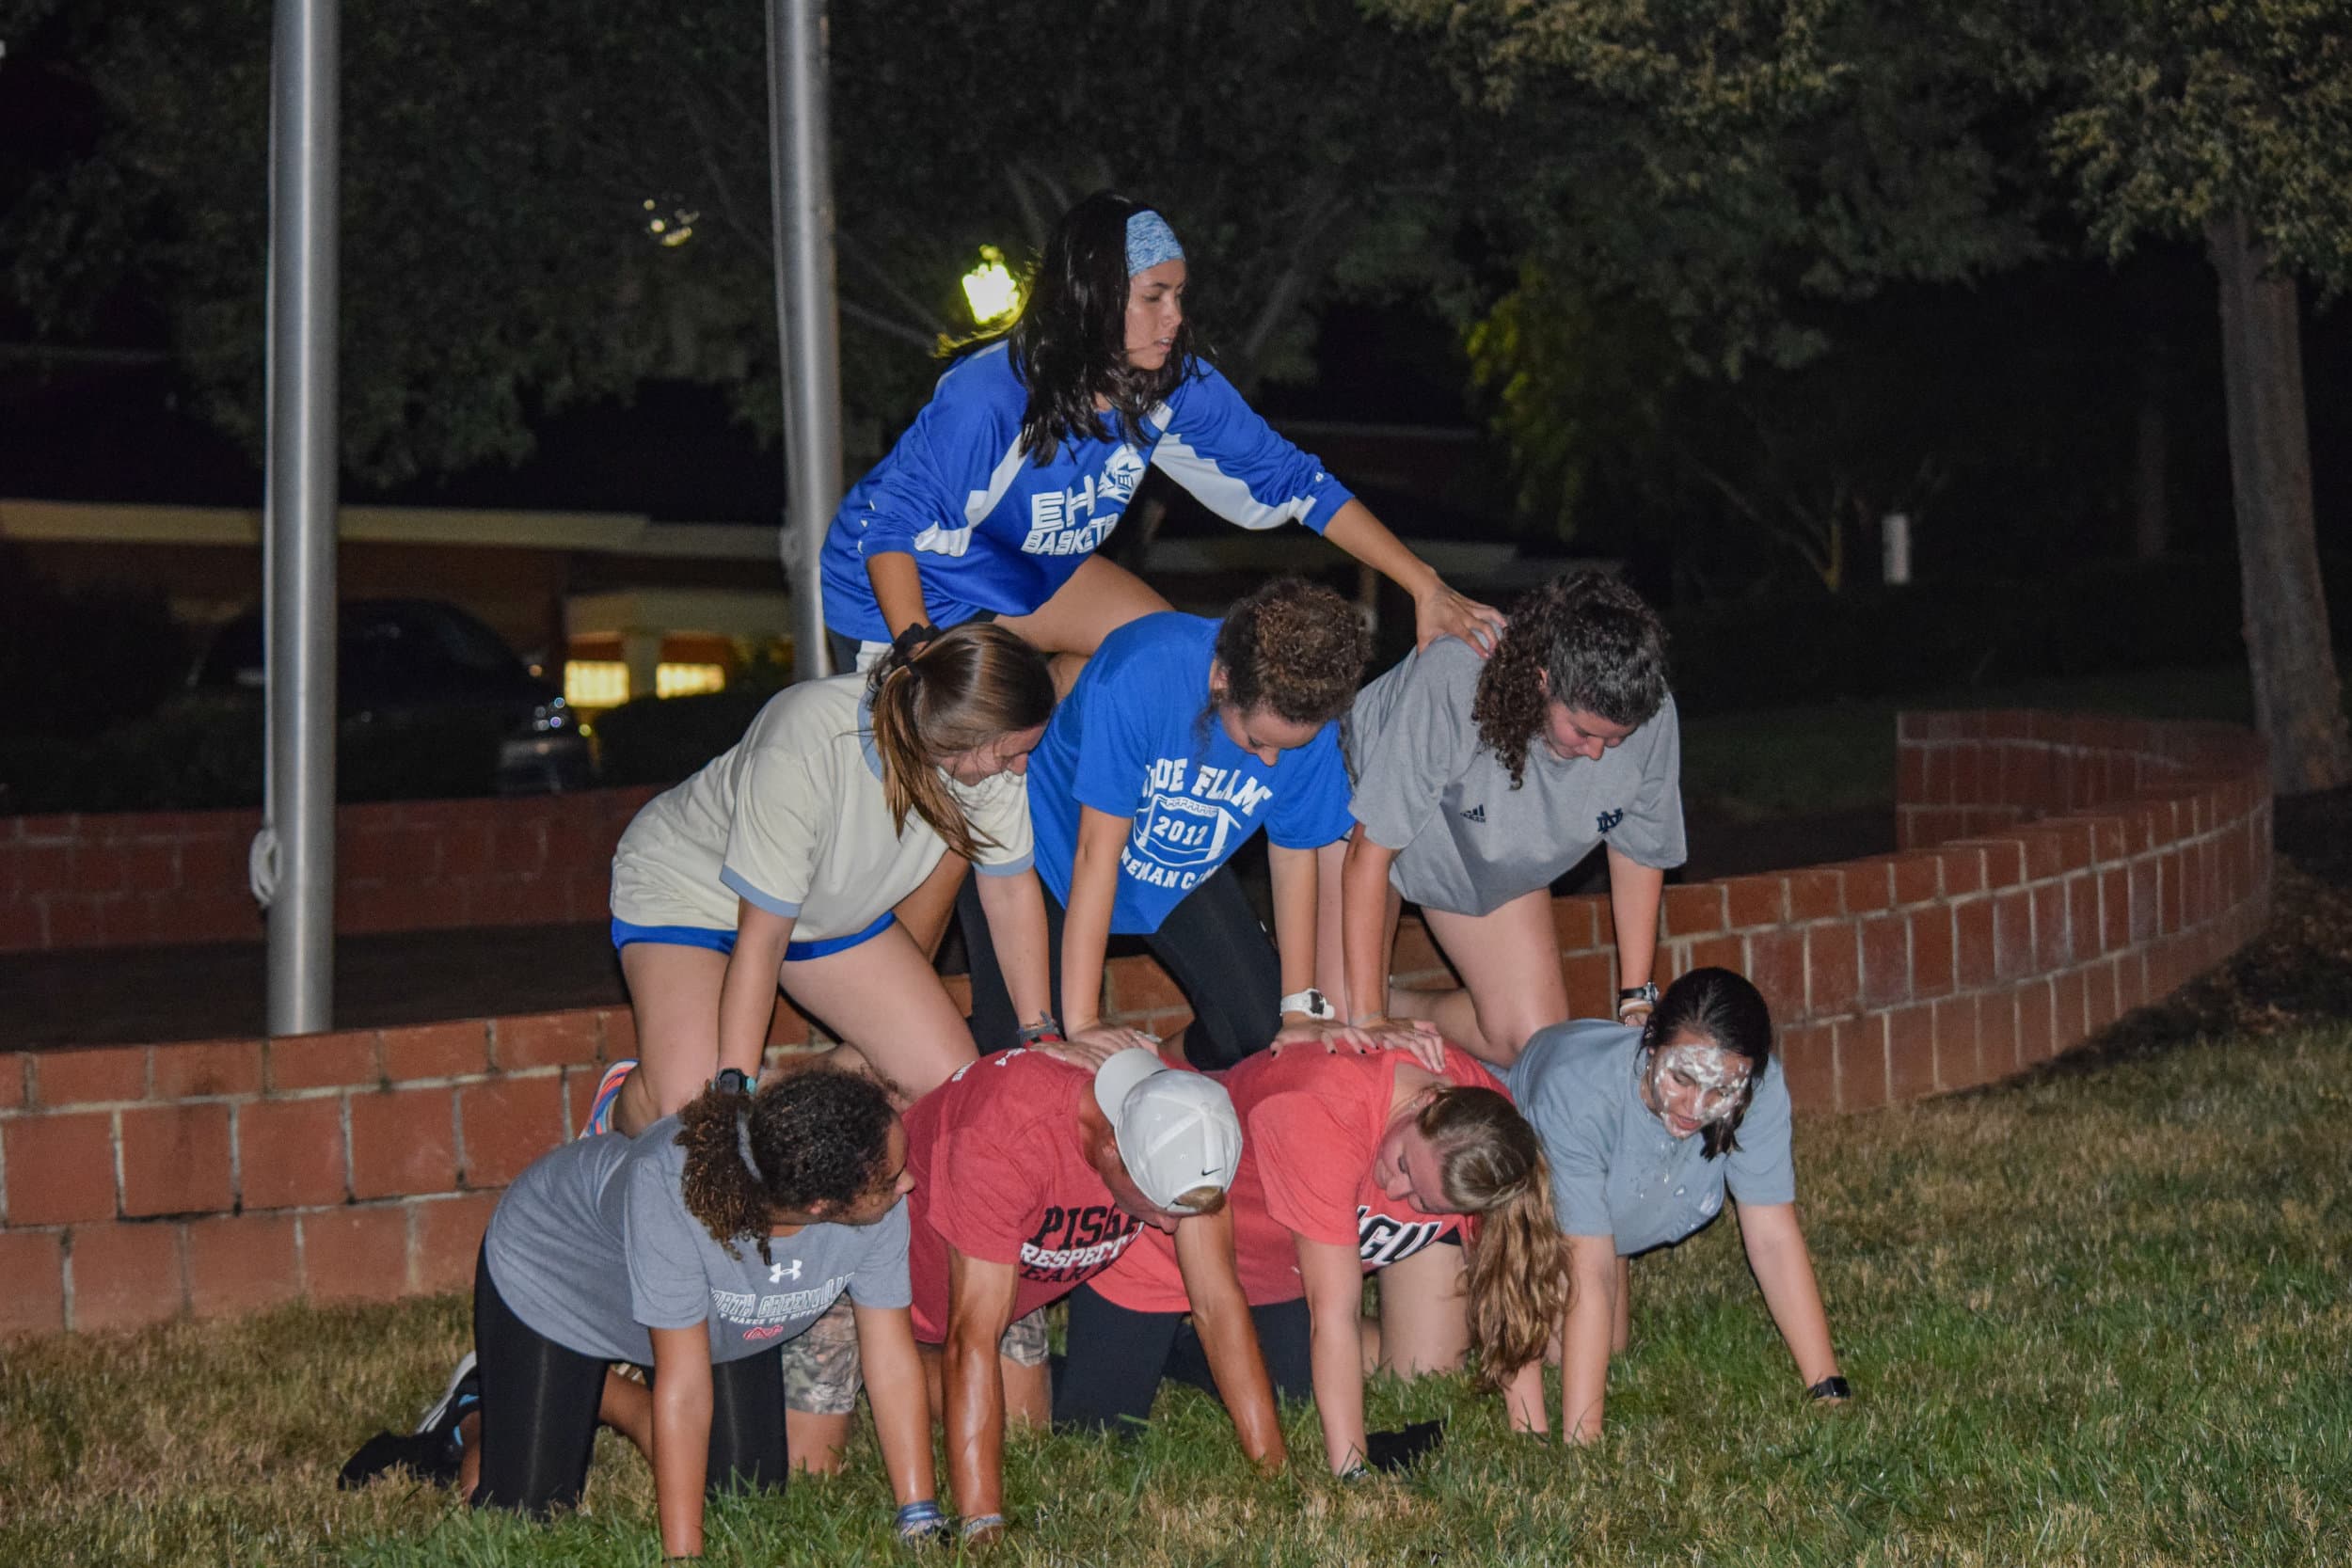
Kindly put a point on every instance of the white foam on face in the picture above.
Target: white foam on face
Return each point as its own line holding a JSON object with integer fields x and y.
{"x": 1717, "y": 1075}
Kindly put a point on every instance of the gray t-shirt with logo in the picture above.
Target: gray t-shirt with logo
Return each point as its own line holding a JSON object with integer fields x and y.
{"x": 593, "y": 1246}
{"x": 1615, "y": 1170}
{"x": 1427, "y": 787}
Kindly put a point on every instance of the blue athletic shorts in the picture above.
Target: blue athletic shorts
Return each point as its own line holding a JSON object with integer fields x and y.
{"x": 723, "y": 942}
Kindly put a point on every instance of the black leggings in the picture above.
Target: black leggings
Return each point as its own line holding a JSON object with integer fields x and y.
{"x": 1117, "y": 1358}
{"x": 539, "y": 1404}
{"x": 1210, "y": 943}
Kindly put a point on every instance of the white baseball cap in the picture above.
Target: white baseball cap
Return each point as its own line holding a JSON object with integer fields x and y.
{"x": 1177, "y": 1130}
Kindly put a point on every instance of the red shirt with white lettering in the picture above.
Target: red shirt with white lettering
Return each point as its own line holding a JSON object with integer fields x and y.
{"x": 1311, "y": 1121}
{"x": 1001, "y": 1173}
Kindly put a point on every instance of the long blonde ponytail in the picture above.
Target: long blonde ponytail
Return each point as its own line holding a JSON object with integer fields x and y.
{"x": 1493, "y": 1166}
{"x": 961, "y": 690}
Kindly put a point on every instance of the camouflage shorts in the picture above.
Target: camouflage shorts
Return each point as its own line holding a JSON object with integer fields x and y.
{"x": 820, "y": 1366}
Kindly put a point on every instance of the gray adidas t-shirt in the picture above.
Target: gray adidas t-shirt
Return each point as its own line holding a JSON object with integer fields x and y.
{"x": 593, "y": 1246}
{"x": 1428, "y": 787}
{"x": 1615, "y": 1170}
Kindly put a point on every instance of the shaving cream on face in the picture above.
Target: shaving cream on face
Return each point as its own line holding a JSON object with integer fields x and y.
{"x": 1712, "y": 1078}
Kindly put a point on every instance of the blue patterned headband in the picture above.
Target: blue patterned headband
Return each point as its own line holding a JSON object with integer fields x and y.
{"x": 1149, "y": 242}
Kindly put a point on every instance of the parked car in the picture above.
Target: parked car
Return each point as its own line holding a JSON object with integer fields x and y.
{"x": 426, "y": 681}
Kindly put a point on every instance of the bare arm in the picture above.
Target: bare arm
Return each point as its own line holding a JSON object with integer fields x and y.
{"x": 979, "y": 1308}
{"x": 1085, "y": 930}
{"x": 747, "y": 992}
{"x": 1584, "y": 1344}
{"x": 1438, "y": 610}
{"x": 1366, "y": 946}
{"x": 1221, "y": 1315}
{"x": 1634, "y": 892}
{"x": 1292, "y": 872}
{"x": 1015, "y": 908}
{"x": 1784, "y": 1269}
{"x": 1334, "y": 1277}
{"x": 898, "y": 590}
{"x": 902, "y": 1406}
{"x": 681, "y": 1436}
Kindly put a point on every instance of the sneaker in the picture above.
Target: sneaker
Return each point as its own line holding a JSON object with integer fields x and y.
{"x": 458, "y": 1401}
{"x": 426, "y": 1457}
{"x": 607, "y": 1096}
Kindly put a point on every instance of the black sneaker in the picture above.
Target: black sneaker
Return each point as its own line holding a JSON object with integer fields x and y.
{"x": 424, "y": 1455}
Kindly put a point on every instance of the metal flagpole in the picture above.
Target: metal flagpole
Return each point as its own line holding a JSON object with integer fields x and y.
{"x": 808, "y": 321}
{"x": 294, "y": 857}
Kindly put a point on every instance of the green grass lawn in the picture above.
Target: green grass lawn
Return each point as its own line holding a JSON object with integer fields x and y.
{"x": 1840, "y": 756}
{"x": 2099, "y": 1318}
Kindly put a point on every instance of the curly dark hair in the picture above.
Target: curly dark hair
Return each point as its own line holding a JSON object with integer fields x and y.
{"x": 1293, "y": 647}
{"x": 1069, "y": 342}
{"x": 819, "y": 1136}
{"x": 1722, "y": 1006}
{"x": 1597, "y": 643}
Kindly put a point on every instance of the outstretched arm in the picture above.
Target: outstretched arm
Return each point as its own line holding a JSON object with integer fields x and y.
{"x": 1221, "y": 1315}
{"x": 747, "y": 992}
{"x": 979, "y": 1310}
{"x": 1784, "y": 1269}
{"x": 1438, "y": 610}
{"x": 1334, "y": 1277}
{"x": 1015, "y": 908}
{"x": 902, "y": 1406}
{"x": 681, "y": 1436}
{"x": 1584, "y": 1344}
{"x": 1634, "y": 892}
{"x": 898, "y": 590}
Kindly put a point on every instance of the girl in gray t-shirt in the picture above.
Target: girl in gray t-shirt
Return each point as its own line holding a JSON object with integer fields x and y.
{"x": 1479, "y": 782}
{"x": 697, "y": 1248}
{"x": 1644, "y": 1129}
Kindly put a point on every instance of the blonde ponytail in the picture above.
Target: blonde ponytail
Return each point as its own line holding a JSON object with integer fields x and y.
{"x": 958, "y": 691}
{"x": 1493, "y": 1166}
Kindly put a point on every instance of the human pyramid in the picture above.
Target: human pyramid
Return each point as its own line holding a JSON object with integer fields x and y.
{"x": 722, "y": 1262}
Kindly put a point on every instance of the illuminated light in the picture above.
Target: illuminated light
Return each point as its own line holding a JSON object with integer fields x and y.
{"x": 651, "y": 204}
{"x": 688, "y": 680}
{"x": 989, "y": 288}
{"x": 657, "y": 226}
{"x": 678, "y": 237}
{"x": 595, "y": 683}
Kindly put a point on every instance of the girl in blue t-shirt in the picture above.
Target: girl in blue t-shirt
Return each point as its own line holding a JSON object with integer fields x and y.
{"x": 1646, "y": 1127}
{"x": 996, "y": 500}
{"x": 1182, "y": 738}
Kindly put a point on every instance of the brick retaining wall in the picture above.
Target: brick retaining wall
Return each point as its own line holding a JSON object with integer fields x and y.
{"x": 2110, "y": 861}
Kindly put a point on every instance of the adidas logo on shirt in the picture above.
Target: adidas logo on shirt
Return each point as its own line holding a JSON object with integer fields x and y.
{"x": 1476, "y": 813}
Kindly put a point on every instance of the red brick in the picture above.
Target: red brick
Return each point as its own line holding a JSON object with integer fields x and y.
{"x": 1911, "y": 1051}
{"x": 546, "y": 1039}
{"x": 340, "y": 1061}
{"x": 1591, "y": 982}
{"x": 78, "y": 922}
{"x": 290, "y": 1152}
{"x": 2144, "y": 899}
{"x": 2053, "y": 948}
{"x": 618, "y": 1026}
{"x": 14, "y": 1065}
{"x": 1868, "y": 885}
{"x": 402, "y": 1143}
{"x": 1918, "y": 879}
{"x": 90, "y": 1076}
{"x": 2040, "y": 851}
{"x": 242, "y": 1263}
{"x": 2069, "y": 995}
{"x": 1776, "y": 966}
{"x": 2012, "y": 934}
{"x": 436, "y": 1050}
{"x": 2073, "y": 838}
{"x": 356, "y": 1254}
{"x": 1755, "y": 901}
{"x": 579, "y": 1094}
{"x": 507, "y": 1123}
{"x": 2170, "y": 881}
{"x": 1957, "y": 1044}
{"x": 2082, "y": 914}
{"x": 2004, "y": 862}
{"x": 1576, "y": 920}
{"x": 1715, "y": 952}
{"x": 1139, "y": 985}
{"x": 1963, "y": 869}
{"x": 1833, "y": 968}
{"x": 2107, "y": 838}
{"x": 2034, "y": 1024}
{"x": 175, "y": 1160}
{"x": 2103, "y": 995}
{"x": 1886, "y": 959}
{"x": 1931, "y": 951}
{"x": 1808, "y": 1063}
{"x": 1604, "y": 923}
{"x": 1693, "y": 908}
{"x": 1935, "y": 784}
{"x": 202, "y": 1068}
{"x": 1997, "y": 1034}
{"x": 445, "y": 1237}
{"x": 1861, "y": 1047}
{"x": 44, "y": 868}
{"x": 61, "y": 1168}
{"x": 1415, "y": 953}
{"x": 1974, "y": 950}
{"x": 2131, "y": 980}
{"x": 788, "y": 1026}
{"x": 32, "y": 1282}
{"x": 124, "y": 1276}
{"x": 1816, "y": 893}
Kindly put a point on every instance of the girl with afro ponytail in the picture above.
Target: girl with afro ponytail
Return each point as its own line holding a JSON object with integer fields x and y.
{"x": 1477, "y": 784}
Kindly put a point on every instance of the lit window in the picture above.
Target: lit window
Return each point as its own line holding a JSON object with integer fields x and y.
{"x": 595, "y": 683}
{"x": 686, "y": 680}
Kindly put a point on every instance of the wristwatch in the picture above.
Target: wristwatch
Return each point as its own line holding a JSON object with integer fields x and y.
{"x": 1310, "y": 1001}
{"x": 732, "y": 1080}
{"x": 1643, "y": 996}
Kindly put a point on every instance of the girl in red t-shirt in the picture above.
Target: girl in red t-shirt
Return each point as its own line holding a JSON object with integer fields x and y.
{"x": 1351, "y": 1163}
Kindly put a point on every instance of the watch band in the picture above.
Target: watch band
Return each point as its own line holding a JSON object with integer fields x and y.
{"x": 732, "y": 1080}
{"x": 1310, "y": 1001}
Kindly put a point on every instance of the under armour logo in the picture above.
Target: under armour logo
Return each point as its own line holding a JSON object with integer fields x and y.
{"x": 1476, "y": 813}
{"x": 1609, "y": 819}
{"x": 778, "y": 1273}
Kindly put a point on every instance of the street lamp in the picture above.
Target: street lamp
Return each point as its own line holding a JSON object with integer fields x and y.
{"x": 990, "y": 289}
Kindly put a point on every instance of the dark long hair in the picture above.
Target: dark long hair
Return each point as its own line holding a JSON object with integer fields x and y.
{"x": 961, "y": 689}
{"x": 1597, "y": 643}
{"x": 1069, "y": 343}
{"x": 818, "y": 1137}
{"x": 1722, "y": 1008}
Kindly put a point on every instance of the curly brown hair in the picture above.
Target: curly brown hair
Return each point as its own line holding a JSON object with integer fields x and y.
{"x": 1596, "y": 643}
{"x": 1296, "y": 648}
{"x": 819, "y": 1137}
